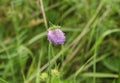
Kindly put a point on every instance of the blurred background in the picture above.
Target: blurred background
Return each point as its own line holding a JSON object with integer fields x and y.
{"x": 90, "y": 54}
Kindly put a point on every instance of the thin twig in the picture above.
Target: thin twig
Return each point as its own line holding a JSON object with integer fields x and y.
{"x": 43, "y": 13}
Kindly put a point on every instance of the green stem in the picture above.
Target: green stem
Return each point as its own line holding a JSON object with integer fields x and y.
{"x": 49, "y": 58}
{"x": 94, "y": 67}
{"x": 43, "y": 13}
{"x": 62, "y": 58}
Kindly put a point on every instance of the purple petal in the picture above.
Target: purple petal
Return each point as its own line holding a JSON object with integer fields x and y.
{"x": 56, "y": 36}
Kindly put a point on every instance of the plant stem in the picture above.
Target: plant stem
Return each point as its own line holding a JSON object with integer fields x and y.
{"x": 49, "y": 56}
{"x": 43, "y": 13}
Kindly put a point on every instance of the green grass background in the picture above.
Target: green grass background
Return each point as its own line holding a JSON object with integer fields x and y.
{"x": 91, "y": 53}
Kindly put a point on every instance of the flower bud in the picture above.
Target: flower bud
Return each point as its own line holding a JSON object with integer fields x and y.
{"x": 44, "y": 76}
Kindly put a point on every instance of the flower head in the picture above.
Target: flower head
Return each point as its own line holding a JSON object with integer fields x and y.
{"x": 55, "y": 35}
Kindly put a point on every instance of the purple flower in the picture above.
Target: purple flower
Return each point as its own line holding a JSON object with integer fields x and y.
{"x": 56, "y": 36}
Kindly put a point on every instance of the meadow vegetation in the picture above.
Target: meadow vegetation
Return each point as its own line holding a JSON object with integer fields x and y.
{"x": 90, "y": 54}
